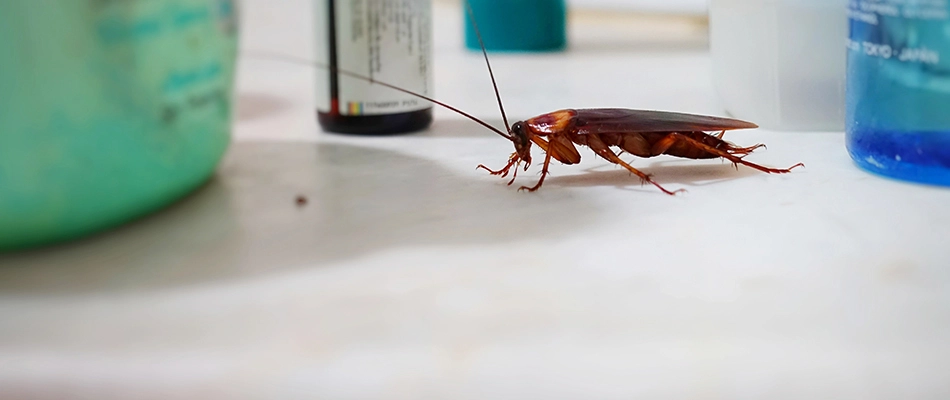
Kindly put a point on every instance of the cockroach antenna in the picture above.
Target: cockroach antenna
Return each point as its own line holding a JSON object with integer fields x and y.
{"x": 471, "y": 17}
{"x": 265, "y": 55}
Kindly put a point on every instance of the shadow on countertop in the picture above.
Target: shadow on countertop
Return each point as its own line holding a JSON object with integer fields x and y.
{"x": 671, "y": 174}
{"x": 247, "y": 221}
{"x": 256, "y": 105}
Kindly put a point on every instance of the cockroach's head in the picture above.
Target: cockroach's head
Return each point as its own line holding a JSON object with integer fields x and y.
{"x": 519, "y": 136}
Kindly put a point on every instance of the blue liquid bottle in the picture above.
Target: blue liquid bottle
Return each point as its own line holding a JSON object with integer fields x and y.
{"x": 898, "y": 88}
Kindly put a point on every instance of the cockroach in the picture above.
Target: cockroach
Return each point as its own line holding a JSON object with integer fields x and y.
{"x": 638, "y": 132}
{"x": 642, "y": 133}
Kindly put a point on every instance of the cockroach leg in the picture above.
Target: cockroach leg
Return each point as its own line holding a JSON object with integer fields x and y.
{"x": 515, "y": 175}
{"x": 504, "y": 171}
{"x": 727, "y": 155}
{"x": 721, "y": 134}
{"x": 490, "y": 171}
{"x": 601, "y": 149}
{"x": 745, "y": 150}
{"x": 645, "y": 177}
{"x": 662, "y": 145}
{"x": 544, "y": 173}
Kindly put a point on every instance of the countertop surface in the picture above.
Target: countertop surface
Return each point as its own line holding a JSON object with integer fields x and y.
{"x": 410, "y": 275}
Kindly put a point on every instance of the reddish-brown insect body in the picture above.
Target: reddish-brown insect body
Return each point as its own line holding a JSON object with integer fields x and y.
{"x": 638, "y": 132}
{"x": 641, "y": 133}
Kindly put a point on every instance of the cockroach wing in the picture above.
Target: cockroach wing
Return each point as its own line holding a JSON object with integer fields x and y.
{"x": 621, "y": 120}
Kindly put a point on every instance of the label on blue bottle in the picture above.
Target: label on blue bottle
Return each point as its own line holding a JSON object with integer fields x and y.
{"x": 899, "y": 50}
{"x": 880, "y": 13}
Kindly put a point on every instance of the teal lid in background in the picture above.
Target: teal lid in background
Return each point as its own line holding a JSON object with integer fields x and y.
{"x": 518, "y": 25}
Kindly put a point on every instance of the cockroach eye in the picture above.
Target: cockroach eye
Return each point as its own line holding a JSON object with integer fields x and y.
{"x": 517, "y": 128}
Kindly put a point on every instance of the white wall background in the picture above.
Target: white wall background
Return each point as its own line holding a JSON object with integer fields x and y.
{"x": 666, "y": 6}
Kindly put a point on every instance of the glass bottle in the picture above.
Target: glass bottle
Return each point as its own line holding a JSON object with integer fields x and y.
{"x": 386, "y": 40}
{"x": 898, "y": 88}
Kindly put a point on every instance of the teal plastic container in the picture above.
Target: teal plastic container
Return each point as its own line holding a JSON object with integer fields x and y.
{"x": 109, "y": 110}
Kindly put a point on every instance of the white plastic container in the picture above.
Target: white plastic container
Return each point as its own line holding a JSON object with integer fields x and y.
{"x": 781, "y": 63}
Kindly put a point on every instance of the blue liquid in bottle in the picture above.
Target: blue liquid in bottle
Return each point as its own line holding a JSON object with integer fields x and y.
{"x": 898, "y": 89}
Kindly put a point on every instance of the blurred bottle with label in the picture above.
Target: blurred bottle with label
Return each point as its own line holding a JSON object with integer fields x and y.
{"x": 386, "y": 40}
{"x": 898, "y": 88}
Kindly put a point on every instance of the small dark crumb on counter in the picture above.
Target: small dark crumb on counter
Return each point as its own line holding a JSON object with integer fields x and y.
{"x": 301, "y": 201}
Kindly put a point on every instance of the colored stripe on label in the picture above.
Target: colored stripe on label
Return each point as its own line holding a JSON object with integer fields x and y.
{"x": 355, "y": 108}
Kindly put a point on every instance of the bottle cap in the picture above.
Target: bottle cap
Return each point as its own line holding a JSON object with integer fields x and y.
{"x": 517, "y": 25}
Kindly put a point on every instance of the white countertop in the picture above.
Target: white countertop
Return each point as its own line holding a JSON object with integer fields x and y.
{"x": 410, "y": 275}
